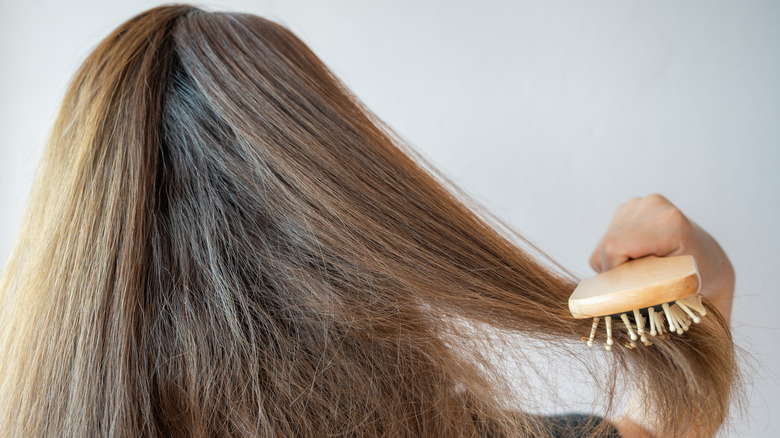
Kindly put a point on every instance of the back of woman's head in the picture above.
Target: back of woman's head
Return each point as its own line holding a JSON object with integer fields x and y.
{"x": 223, "y": 241}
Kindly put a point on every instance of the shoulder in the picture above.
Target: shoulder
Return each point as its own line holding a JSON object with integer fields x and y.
{"x": 578, "y": 425}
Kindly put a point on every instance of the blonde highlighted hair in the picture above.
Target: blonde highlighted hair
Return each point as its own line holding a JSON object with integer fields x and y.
{"x": 222, "y": 241}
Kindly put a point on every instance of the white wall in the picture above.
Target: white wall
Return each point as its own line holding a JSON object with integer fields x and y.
{"x": 550, "y": 112}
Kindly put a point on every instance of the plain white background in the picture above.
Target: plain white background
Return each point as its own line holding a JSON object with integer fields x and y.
{"x": 551, "y": 113}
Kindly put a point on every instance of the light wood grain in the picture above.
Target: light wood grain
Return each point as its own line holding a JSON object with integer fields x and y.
{"x": 636, "y": 284}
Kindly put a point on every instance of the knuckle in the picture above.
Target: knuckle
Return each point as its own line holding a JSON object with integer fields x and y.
{"x": 676, "y": 217}
{"x": 679, "y": 223}
{"x": 610, "y": 246}
{"x": 656, "y": 198}
{"x": 631, "y": 201}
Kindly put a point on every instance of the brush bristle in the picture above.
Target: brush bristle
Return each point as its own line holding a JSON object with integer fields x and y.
{"x": 680, "y": 315}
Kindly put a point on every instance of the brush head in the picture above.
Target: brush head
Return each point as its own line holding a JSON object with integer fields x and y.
{"x": 641, "y": 292}
{"x": 639, "y": 283}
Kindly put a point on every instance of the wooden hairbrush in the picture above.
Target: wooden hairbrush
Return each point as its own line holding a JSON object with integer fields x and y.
{"x": 640, "y": 292}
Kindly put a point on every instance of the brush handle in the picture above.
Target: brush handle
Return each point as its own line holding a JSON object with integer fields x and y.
{"x": 639, "y": 283}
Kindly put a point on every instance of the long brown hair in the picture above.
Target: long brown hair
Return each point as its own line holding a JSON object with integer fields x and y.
{"x": 222, "y": 241}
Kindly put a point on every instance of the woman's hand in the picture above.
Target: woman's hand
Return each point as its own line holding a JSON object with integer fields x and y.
{"x": 654, "y": 226}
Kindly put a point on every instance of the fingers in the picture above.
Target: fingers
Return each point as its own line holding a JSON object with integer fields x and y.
{"x": 654, "y": 226}
{"x": 610, "y": 251}
{"x": 595, "y": 261}
{"x": 606, "y": 257}
{"x": 642, "y": 226}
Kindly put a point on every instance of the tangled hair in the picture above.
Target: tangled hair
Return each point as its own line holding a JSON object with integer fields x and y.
{"x": 222, "y": 241}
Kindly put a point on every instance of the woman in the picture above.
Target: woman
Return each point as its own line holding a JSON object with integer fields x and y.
{"x": 222, "y": 241}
